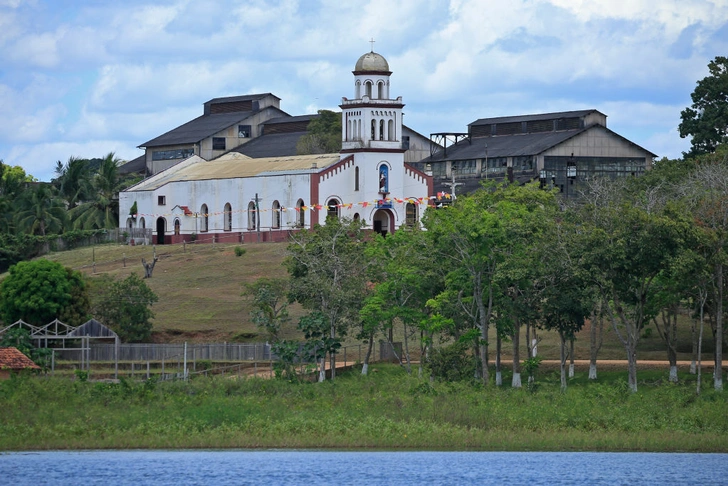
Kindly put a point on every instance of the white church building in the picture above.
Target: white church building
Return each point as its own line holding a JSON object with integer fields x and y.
{"x": 237, "y": 198}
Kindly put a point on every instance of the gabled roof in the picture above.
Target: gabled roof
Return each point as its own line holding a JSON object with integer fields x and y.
{"x": 11, "y": 358}
{"x": 200, "y": 128}
{"x": 233, "y": 99}
{"x": 524, "y": 144}
{"x": 93, "y": 328}
{"x": 274, "y": 145}
{"x": 135, "y": 165}
{"x": 534, "y": 117}
{"x": 291, "y": 119}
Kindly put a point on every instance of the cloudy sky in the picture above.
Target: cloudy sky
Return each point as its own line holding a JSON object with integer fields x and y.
{"x": 87, "y": 77}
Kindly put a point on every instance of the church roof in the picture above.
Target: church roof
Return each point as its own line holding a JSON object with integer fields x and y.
{"x": 371, "y": 61}
{"x": 234, "y": 165}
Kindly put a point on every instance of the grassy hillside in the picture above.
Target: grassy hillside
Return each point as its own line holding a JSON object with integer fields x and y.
{"x": 200, "y": 286}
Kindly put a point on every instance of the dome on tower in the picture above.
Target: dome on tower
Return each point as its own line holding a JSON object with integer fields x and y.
{"x": 371, "y": 61}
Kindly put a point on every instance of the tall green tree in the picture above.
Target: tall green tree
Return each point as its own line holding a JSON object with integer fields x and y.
{"x": 706, "y": 191}
{"x": 40, "y": 212}
{"x": 102, "y": 211}
{"x": 405, "y": 275}
{"x": 706, "y": 120}
{"x": 268, "y": 297}
{"x": 73, "y": 181}
{"x": 328, "y": 267}
{"x": 626, "y": 255}
{"x": 125, "y": 306}
{"x": 40, "y": 291}
{"x": 324, "y": 135}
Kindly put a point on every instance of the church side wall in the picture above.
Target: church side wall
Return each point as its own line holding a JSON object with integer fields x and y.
{"x": 215, "y": 194}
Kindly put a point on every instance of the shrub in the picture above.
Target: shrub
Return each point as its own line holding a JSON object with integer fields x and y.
{"x": 451, "y": 363}
{"x": 240, "y": 251}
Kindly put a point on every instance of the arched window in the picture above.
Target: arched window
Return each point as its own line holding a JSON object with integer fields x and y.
{"x": 380, "y": 90}
{"x": 390, "y": 130}
{"x": 228, "y": 215}
{"x": 204, "y": 213}
{"x": 177, "y": 225}
{"x": 357, "y": 95}
{"x": 381, "y": 130}
{"x": 410, "y": 215}
{"x": 276, "y": 223}
{"x": 142, "y": 223}
{"x": 301, "y": 214}
{"x": 332, "y": 209}
{"x": 129, "y": 223}
{"x": 374, "y": 129}
{"x": 252, "y": 216}
{"x": 356, "y": 178}
{"x": 368, "y": 88}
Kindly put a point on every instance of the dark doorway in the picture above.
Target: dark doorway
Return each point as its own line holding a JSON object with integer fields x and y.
{"x": 160, "y": 231}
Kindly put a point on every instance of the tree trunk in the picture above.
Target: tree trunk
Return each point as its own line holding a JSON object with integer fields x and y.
{"x": 498, "y": 375}
{"x": 571, "y": 358}
{"x": 596, "y": 330}
{"x": 718, "y": 373}
{"x": 365, "y": 366}
{"x": 700, "y": 343}
{"x": 694, "y": 337}
{"x": 406, "y": 350}
{"x": 562, "y": 364}
{"x": 516, "y": 380}
{"x": 632, "y": 362}
{"x": 322, "y": 369}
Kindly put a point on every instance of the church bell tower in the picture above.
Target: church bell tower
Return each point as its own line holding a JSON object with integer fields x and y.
{"x": 372, "y": 121}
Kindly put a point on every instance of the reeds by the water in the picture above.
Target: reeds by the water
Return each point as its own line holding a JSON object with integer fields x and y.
{"x": 386, "y": 410}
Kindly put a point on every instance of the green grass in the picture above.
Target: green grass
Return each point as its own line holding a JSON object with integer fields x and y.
{"x": 386, "y": 410}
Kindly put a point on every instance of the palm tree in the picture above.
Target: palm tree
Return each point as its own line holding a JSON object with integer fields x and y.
{"x": 73, "y": 181}
{"x": 103, "y": 211}
{"x": 40, "y": 212}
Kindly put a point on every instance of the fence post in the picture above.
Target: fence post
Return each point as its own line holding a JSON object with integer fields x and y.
{"x": 147, "y": 370}
{"x": 163, "y": 368}
{"x": 132, "y": 370}
{"x": 124, "y": 258}
{"x": 184, "y": 370}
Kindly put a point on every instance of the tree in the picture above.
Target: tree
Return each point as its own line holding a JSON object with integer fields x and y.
{"x": 270, "y": 308}
{"x": 324, "y": 135}
{"x": 327, "y": 267}
{"x": 103, "y": 210}
{"x": 40, "y": 212}
{"x": 73, "y": 181}
{"x": 125, "y": 305}
{"x": 405, "y": 275}
{"x": 40, "y": 291}
{"x": 707, "y": 191}
{"x": 626, "y": 255}
{"x": 707, "y": 118}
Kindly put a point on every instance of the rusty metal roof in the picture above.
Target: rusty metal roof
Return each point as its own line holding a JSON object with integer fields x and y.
{"x": 234, "y": 165}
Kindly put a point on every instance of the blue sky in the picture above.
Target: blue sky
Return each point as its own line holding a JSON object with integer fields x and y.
{"x": 87, "y": 77}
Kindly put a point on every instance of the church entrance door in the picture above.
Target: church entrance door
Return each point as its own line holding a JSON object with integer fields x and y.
{"x": 382, "y": 222}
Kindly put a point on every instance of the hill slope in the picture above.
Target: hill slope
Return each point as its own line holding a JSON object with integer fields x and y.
{"x": 199, "y": 286}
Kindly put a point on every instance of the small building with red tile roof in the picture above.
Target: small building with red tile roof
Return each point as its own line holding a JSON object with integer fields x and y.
{"x": 13, "y": 361}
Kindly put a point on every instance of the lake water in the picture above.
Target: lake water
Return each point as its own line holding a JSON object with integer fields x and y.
{"x": 283, "y": 467}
